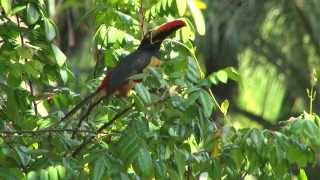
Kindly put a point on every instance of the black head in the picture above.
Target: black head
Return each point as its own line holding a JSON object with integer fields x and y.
{"x": 153, "y": 39}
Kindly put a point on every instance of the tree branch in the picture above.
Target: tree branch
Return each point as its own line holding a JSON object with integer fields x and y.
{"x": 308, "y": 26}
{"x": 41, "y": 131}
{"x": 87, "y": 113}
{"x": 104, "y": 126}
{"x": 256, "y": 118}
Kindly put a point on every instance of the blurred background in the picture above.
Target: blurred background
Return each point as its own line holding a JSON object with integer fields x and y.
{"x": 275, "y": 45}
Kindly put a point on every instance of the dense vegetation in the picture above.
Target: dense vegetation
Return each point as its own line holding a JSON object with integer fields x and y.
{"x": 184, "y": 120}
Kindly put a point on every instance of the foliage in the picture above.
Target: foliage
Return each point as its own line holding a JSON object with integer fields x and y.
{"x": 163, "y": 129}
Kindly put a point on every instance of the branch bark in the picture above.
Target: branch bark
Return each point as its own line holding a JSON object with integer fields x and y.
{"x": 256, "y": 118}
{"x": 104, "y": 126}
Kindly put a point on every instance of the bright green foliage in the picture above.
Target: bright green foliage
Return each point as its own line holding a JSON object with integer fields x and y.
{"x": 169, "y": 133}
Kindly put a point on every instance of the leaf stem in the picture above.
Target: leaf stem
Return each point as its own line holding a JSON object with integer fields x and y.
{"x": 25, "y": 60}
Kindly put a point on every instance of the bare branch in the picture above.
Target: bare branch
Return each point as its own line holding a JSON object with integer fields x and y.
{"x": 104, "y": 126}
{"x": 42, "y": 131}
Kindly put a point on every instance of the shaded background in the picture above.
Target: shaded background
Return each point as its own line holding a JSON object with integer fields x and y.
{"x": 274, "y": 44}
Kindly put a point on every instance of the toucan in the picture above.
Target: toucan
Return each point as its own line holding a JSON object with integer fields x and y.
{"x": 118, "y": 79}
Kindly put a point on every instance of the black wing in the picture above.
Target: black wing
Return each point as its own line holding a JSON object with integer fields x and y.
{"x": 132, "y": 64}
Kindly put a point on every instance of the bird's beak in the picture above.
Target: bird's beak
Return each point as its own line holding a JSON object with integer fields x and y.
{"x": 164, "y": 30}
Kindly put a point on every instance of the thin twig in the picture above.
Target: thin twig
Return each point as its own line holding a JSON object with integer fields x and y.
{"x": 76, "y": 108}
{"x": 104, "y": 126}
{"x": 25, "y": 60}
{"x": 41, "y": 131}
{"x": 142, "y": 19}
{"x": 87, "y": 114}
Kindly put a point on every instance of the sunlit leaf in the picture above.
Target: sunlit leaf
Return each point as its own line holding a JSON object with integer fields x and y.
{"x": 6, "y": 4}
{"x": 302, "y": 175}
{"x": 32, "y": 175}
{"x": 53, "y": 173}
{"x": 60, "y": 57}
{"x": 44, "y": 174}
{"x": 222, "y": 76}
{"x": 197, "y": 17}
{"x": 64, "y": 75}
{"x": 200, "y": 4}
{"x": 225, "y": 106}
{"x": 181, "y": 6}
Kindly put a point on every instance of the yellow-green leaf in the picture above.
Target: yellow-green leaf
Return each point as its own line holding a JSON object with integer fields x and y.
{"x": 53, "y": 173}
{"x": 181, "y": 6}
{"x": 6, "y": 5}
{"x": 197, "y": 17}
{"x": 225, "y": 106}
{"x": 32, "y": 175}
{"x": 59, "y": 55}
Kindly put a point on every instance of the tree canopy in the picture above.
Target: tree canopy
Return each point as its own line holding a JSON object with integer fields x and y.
{"x": 233, "y": 98}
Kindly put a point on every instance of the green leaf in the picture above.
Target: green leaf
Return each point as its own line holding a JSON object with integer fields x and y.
{"x": 222, "y": 76}
{"x": 109, "y": 58}
{"x": 17, "y": 9}
{"x": 59, "y": 56}
{"x": 23, "y": 154}
{"x": 225, "y": 106}
{"x": 61, "y": 171}
{"x": 32, "y": 14}
{"x": 53, "y": 173}
{"x": 161, "y": 170}
{"x": 233, "y": 73}
{"x": 180, "y": 161}
{"x": 12, "y": 105}
{"x": 143, "y": 93}
{"x": 64, "y": 75}
{"x": 143, "y": 164}
{"x": 24, "y": 52}
{"x": 99, "y": 169}
{"x": 197, "y": 17}
{"x": 32, "y": 175}
{"x": 6, "y": 5}
{"x": 44, "y": 174}
{"x": 207, "y": 103}
{"x": 14, "y": 78}
{"x": 181, "y": 6}
{"x": 302, "y": 175}
{"x": 50, "y": 31}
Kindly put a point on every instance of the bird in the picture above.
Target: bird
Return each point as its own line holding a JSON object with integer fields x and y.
{"x": 117, "y": 80}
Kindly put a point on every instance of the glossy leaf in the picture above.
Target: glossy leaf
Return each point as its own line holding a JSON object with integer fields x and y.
{"x": 32, "y": 14}
{"x": 50, "y": 31}
{"x": 59, "y": 56}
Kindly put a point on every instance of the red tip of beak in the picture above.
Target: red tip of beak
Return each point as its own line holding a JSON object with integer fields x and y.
{"x": 178, "y": 23}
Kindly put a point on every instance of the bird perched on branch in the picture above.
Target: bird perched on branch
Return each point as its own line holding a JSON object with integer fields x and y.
{"x": 118, "y": 79}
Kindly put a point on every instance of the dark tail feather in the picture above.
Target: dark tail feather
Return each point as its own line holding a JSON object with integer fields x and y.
{"x": 87, "y": 113}
{"x": 78, "y": 106}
